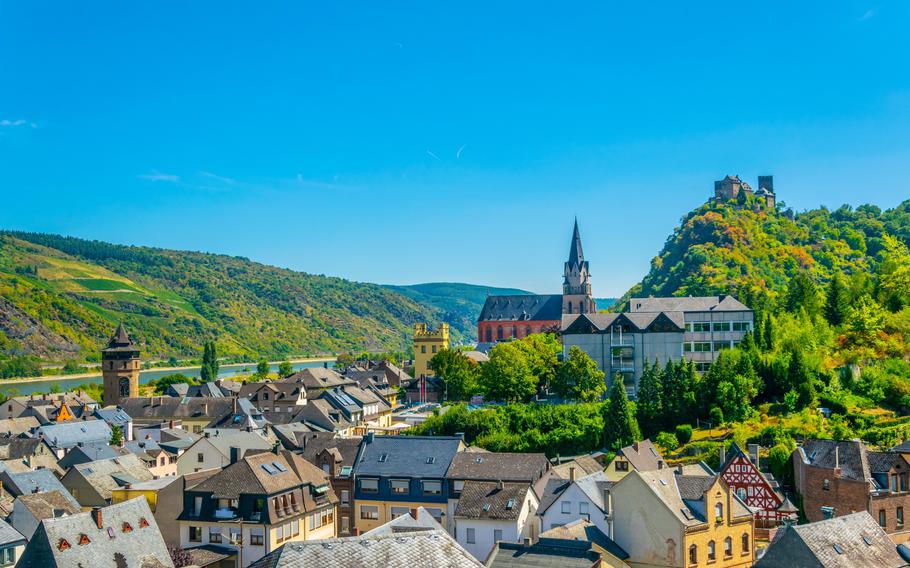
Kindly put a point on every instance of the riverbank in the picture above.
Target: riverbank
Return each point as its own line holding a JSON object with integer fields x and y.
{"x": 95, "y": 375}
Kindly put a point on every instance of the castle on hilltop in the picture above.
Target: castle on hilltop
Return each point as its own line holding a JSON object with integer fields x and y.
{"x": 733, "y": 188}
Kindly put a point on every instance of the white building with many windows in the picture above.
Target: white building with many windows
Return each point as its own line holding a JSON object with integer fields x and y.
{"x": 658, "y": 329}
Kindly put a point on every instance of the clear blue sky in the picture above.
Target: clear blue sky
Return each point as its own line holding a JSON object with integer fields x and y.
{"x": 440, "y": 141}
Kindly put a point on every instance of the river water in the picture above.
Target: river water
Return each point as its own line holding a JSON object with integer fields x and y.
{"x": 224, "y": 372}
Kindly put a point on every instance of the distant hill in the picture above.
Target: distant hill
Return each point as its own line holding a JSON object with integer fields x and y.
{"x": 60, "y": 297}
{"x": 458, "y": 304}
{"x": 723, "y": 248}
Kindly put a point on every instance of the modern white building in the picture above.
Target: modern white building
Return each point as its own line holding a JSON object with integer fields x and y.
{"x": 577, "y": 498}
{"x": 490, "y": 512}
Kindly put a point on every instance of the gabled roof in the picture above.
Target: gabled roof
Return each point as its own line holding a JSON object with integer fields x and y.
{"x": 107, "y": 475}
{"x": 850, "y": 541}
{"x": 162, "y": 408}
{"x": 522, "y": 307}
{"x": 490, "y": 500}
{"x": 89, "y": 453}
{"x": 37, "y": 481}
{"x": 586, "y": 531}
{"x": 424, "y": 521}
{"x": 548, "y": 489}
{"x": 498, "y": 466}
{"x": 68, "y": 434}
{"x": 882, "y": 462}
{"x": 258, "y": 475}
{"x": 407, "y": 456}
{"x": 315, "y": 443}
{"x": 316, "y": 378}
{"x": 683, "y": 495}
{"x": 21, "y": 425}
{"x": 49, "y": 504}
{"x": 850, "y": 456}
{"x": 584, "y": 465}
{"x": 643, "y": 456}
{"x": 113, "y": 415}
{"x": 128, "y": 537}
{"x": 223, "y": 439}
{"x": 574, "y": 554}
{"x": 687, "y": 304}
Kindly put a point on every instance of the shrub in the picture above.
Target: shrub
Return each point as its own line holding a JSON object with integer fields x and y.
{"x": 667, "y": 441}
{"x": 683, "y": 434}
{"x": 716, "y": 415}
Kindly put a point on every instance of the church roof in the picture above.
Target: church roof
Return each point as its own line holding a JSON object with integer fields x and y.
{"x": 576, "y": 255}
{"x": 522, "y": 307}
{"x": 120, "y": 341}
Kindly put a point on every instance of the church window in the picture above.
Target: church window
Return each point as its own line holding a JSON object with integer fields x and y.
{"x": 728, "y": 547}
{"x": 514, "y": 332}
{"x": 423, "y": 348}
{"x": 434, "y": 349}
{"x": 719, "y": 512}
{"x": 499, "y": 333}
{"x": 527, "y": 331}
{"x": 124, "y": 387}
{"x": 489, "y": 335}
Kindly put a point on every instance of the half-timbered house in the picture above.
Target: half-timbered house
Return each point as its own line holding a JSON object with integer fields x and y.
{"x": 745, "y": 479}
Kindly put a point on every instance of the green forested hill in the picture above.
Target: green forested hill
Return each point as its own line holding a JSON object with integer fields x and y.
{"x": 722, "y": 248}
{"x": 60, "y": 297}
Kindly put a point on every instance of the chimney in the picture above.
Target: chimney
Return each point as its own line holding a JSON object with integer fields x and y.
{"x": 635, "y": 446}
{"x": 170, "y": 424}
{"x": 96, "y": 516}
{"x": 660, "y": 464}
{"x": 723, "y": 455}
{"x": 679, "y": 469}
{"x": 753, "y": 453}
{"x": 415, "y": 513}
{"x": 276, "y": 448}
{"x": 369, "y": 438}
{"x": 207, "y": 434}
{"x": 500, "y": 485}
{"x": 837, "y": 470}
{"x": 234, "y": 405}
{"x": 127, "y": 486}
{"x": 608, "y": 503}
{"x": 44, "y": 396}
{"x": 572, "y": 474}
{"x": 526, "y": 542}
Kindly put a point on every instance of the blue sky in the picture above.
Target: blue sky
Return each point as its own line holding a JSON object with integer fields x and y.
{"x": 429, "y": 141}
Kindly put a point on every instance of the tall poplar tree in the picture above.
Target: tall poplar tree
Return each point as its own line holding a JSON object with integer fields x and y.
{"x": 620, "y": 427}
{"x": 650, "y": 408}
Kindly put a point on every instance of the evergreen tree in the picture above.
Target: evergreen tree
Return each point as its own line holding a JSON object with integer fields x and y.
{"x": 578, "y": 377}
{"x": 116, "y": 435}
{"x": 650, "y": 406}
{"x": 801, "y": 379}
{"x": 768, "y": 336}
{"x": 802, "y": 294}
{"x": 837, "y": 301}
{"x": 620, "y": 427}
{"x": 209, "y": 370}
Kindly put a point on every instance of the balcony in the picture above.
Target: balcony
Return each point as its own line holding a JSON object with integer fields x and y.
{"x": 225, "y": 513}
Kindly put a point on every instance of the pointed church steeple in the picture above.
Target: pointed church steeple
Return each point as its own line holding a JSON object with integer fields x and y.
{"x": 576, "y": 255}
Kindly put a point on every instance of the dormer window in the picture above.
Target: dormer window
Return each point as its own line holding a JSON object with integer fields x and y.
{"x": 84, "y": 539}
{"x": 127, "y": 528}
{"x": 63, "y": 545}
{"x": 143, "y": 523}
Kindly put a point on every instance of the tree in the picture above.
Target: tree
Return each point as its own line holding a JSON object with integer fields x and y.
{"x": 802, "y": 293}
{"x": 209, "y": 370}
{"x": 620, "y": 427}
{"x": 343, "y": 361}
{"x": 768, "y": 334}
{"x": 894, "y": 273}
{"x": 162, "y": 384}
{"x": 866, "y": 319}
{"x": 459, "y": 373}
{"x": 650, "y": 409}
{"x": 285, "y": 369}
{"x": 541, "y": 350}
{"x": 116, "y": 435}
{"x": 262, "y": 369}
{"x": 730, "y": 385}
{"x": 507, "y": 376}
{"x": 837, "y": 301}
{"x": 801, "y": 379}
{"x": 578, "y": 377}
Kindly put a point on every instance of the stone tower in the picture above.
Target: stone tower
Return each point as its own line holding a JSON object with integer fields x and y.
{"x": 576, "y": 284}
{"x": 120, "y": 368}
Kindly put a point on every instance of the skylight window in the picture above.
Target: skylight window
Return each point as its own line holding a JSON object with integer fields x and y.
{"x": 279, "y": 466}
{"x": 510, "y": 504}
{"x": 431, "y": 460}
{"x": 269, "y": 469}
{"x": 383, "y": 458}
{"x": 486, "y": 507}
{"x": 838, "y": 549}
{"x": 867, "y": 540}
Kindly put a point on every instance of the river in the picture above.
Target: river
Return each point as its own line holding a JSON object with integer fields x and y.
{"x": 224, "y": 372}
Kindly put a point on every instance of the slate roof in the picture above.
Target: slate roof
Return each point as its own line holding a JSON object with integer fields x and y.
{"x": 642, "y": 455}
{"x": 683, "y": 495}
{"x": 223, "y": 439}
{"x": 9, "y": 535}
{"x": 882, "y": 462}
{"x": 576, "y": 255}
{"x": 48, "y": 505}
{"x": 522, "y": 307}
{"x": 248, "y": 476}
{"x": 113, "y": 415}
{"x": 318, "y": 378}
{"x": 107, "y": 475}
{"x": 163, "y": 408}
{"x": 593, "y": 486}
{"x": 687, "y": 304}
{"x": 279, "y": 391}
{"x": 407, "y": 523}
{"x": 568, "y": 554}
{"x": 498, "y": 466}
{"x": 346, "y": 448}
{"x": 548, "y": 489}
{"x": 583, "y": 530}
{"x": 88, "y": 453}
{"x": 207, "y": 554}
{"x": 111, "y": 546}
{"x": 407, "y": 456}
{"x": 21, "y": 425}
{"x": 851, "y": 457}
{"x": 38, "y": 481}
{"x": 584, "y": 465}
{"x": 18, "y": 448}
{"x": 850, "y": 541}
{"x": 426, "y": 549}
{"x": 66, "y": 435}
{"x": 489, "y": 500}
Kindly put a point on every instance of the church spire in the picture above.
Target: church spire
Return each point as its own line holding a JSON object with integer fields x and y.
{"x": 576, "y": 256}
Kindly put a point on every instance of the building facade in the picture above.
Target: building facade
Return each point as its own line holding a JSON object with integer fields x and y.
{"x": 658, "y": 329}
{"x": 428, "y": 342}
{"x": 517, "y": 316}
{"x": 733, "y": 188}
{"x": 740, "y": 472}
{"x": 120, "y": 367}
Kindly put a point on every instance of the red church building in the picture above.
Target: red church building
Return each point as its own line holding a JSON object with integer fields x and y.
{"x": 517, "y": 316}
{"x": 753, "y": 488}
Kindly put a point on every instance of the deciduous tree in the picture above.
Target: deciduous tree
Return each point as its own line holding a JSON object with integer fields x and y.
{"x": 578, "y": 377}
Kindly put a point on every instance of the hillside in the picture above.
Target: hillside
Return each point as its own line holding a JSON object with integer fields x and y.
{"x": 60, "y": 297}
{"x": 720, "y": 248}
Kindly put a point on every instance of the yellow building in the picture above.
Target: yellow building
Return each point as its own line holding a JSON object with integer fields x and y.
{"x": 662, "y": 518}
{"x": 640, "y": 456}
{"x": 428, "y": 342}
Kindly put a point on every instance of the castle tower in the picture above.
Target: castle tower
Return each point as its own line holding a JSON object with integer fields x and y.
{"x": 120, "y": 368}
{"x": 576, "y": 285}
{"x": 427, "y": 343}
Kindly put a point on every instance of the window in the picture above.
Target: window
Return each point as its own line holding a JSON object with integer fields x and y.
{"x": 497, "y": 535}
{"x": 514, "y": 332}
{"x": 903, "y": 482}
{"x": 400, "y": 486}
{"x": 423, "y": 348}
{"x": 712, "y": 553}
{"x": 693, "y": 554}
{"x": 721, "y": 326}
{"x": 295, "y": 527}
{"x": 728, "y": 547}
{"x": 432, "y": 488}
{"x": 279, "y": 533}
{"x": 721, "y": 345}
{"x": 583, "y": 508}
{"x": 719, "y": 512}
{"x": 234, "y": 535}
{"x": 899, "y": 515}
{"x": 882, "y": 518}
{"x": 369, "y": 512}
{"x": 197, "y": 506}
{"x": 434, "y": 349}
{"x": 345, "y": 525}
{"x": 470, "y": 536}
{"x": 256, "y": 537}
{"x": 527, "y": 331}
{"x": 8, "y": 557}
{"x": 566, "y": 507}
{"x": 195, "y": 534}
{"x": 622, "y": 465}
{"x": 701, "y": 346}
{"x": 742, "y": 326}
{"x": 894, "y": 484}
{"x": 215, "y": 534}
{"x": 687, "y": 347}
{"x": 499, "y": 333}
{"x": 345, "y": 496}
{"x": 826, "y": 485}
{"x": 741, "y": 493}
{"x": 400, "y": 511}
{"x": 459, "y": 486}
{"x": 702, "y": 366}
{"x": 701, "y": 326}
{"x": 369, "y": 485}
{"x": 489, "y": 338}
{"x": 745, "y": 543}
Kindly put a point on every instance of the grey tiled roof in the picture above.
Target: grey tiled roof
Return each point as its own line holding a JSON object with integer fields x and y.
{"x": 317, "y": 442}
{"x": 409, "y": 456}
{"x": 113, "y": 415}
{"x": 693, "y": 487}
{"x": 424, "y": 549}
{"x": 495, "y": 466}
{"x": 111, "y": 546}
{"x": 489, "y": 500}
{"x": 642, "y": 455}
{"x": 110, "y": 474}
{"x": 850, "y": 456}
{"x": 882, "y": 462}
{"x": 48, "y": 504}
{"x": 548, "y": 489}
{"x": 9, "y": 535}
{"x": 851, "y": 541}
{"x": 687, "y": 304}
{"x": 522, "y": 307}
{"x": 88, "y": 453}
{"x": 163, "y": 408}
{"x": 318, "y": 378}
{"x": 407, "y": 523}
{"x": 574, "y": 554}
{"x": 69, "y": 434}
{"x": 583, "y": 530}
{"x": 34, "y": 481}
{"x": 209, "y": 554}
{"x": 584, "y": 465}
